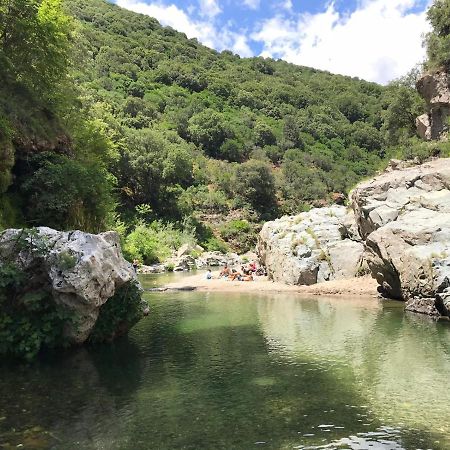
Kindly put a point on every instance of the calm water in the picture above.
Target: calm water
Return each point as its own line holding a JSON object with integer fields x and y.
{"x": 224, "y": 371}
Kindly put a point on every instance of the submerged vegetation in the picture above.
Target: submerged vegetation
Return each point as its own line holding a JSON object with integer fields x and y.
{"x": 109, "y": 120}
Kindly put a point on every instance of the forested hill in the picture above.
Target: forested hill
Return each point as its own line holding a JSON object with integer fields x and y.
{"x": 142, "y": 125}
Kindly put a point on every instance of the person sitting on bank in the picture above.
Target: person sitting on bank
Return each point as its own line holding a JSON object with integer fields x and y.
{"x": 225, "y": 272}
{"x": 209, "y": 275}
{"x": 235, "y": 275}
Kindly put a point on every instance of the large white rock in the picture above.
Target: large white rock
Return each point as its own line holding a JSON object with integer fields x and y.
{"x": 81, "y": 270}
{"x": 404, "y": 215}
{"x": 314, "y": 246}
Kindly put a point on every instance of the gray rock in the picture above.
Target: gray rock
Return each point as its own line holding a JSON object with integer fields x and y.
{"x": 405, "y": 217}
{"x": 154, "y": 268}
{"x": 435, "y": 89}
{"x": 81, "y": 270}
{"x": 311, "y": 247}
{"x": 187, "y": 249}
{"x": 424, "y": 127}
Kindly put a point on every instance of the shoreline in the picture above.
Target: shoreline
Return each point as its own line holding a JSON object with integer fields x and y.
{"x": 360, "y": 287}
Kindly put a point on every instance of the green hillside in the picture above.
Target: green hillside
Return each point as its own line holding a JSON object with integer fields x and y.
{"x": 129, "y": 125}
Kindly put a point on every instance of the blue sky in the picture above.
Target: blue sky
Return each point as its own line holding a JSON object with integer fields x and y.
{"x": 377, "y": 40}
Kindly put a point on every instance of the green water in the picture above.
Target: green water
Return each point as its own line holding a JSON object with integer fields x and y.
{"x": 234, "y": 371}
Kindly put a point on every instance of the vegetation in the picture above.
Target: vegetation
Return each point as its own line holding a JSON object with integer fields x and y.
{"x": 120, "y": 312}
{"x": 154, "y": 242}
{"x": 29, "y": 319}
{"x": 136, "y": 119}
{"x": 438, "y": 40}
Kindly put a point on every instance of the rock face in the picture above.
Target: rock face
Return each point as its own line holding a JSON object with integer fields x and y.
{"x": 80, "y": 270}
{"x": 404, "y": 217}
{"x": 400, "y": 229}
{"x": 435, "y": 89}
{"x": 319, "y": 245}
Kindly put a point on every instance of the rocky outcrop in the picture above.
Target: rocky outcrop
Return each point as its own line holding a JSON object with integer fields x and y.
{"x": 404, "y": 217}
{"x": 80, "y": 271}
{"x": 435, "y": 89}
{"x": 319, "y": 245}
{"x": 400, "y": 231}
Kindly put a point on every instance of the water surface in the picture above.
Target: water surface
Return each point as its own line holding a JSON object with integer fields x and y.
{"x": 241, "y": 371}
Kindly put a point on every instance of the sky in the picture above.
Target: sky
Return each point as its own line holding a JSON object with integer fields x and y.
{"x": 377, "y": 40}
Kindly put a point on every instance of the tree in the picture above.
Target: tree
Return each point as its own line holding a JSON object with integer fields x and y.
{"x": 405, "y": 105}
{"x": 256, "y": 185}
{"x": 264, "y": 134}
{"x": 34, "y": 43}
{"x": 438, "y": 40}
{"x": 209, "y": 130}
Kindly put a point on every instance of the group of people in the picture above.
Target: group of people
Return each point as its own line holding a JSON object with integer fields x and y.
{"x": 246, "y": 273}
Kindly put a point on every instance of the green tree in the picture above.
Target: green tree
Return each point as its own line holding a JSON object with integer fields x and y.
{"x": 65, "y": 194}
{"x": 438, "y": 40}
{"x": 255, "y": 184}
{"x": 34, "y": 43}
{"x": 209, "y": 130}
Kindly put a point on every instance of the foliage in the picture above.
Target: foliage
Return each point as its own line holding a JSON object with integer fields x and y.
{"x": 120, "y": 312}
{"x": 416, "y": 149}
{"x": 438, "y": 40}
{"x": 240, "y": 234}
{"x": 155, "y": 242}
{"x": 64, "y": 193}
{"x": 34, "y": 43}
{"x": 29, "y": 319}
{"x": 255, "y": 184}
{"x": 137, "y": 114}
{"x": 214, "y": 244}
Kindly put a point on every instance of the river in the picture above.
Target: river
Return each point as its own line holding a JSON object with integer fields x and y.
{"x": 240, "y": 371}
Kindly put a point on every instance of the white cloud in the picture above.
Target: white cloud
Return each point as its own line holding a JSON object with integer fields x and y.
{"x": 209, "y": 8}
{"x": 379, "y": 41}
{"x": 287, "y": 5}
{"x": 252, "y": 4}
{"x": 204, "y": 30}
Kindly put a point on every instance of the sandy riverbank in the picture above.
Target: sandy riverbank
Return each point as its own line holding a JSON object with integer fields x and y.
{"x": 362, "y": 286}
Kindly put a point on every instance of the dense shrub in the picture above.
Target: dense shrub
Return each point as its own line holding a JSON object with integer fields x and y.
{"x": 63, "y": 193}
{"x": 155, "y": 242}
{"x": 240, "y": 234}
{"x": 30, "y": 320}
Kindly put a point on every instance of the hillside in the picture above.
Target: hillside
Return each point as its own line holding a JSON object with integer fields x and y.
{"x": 149, "y": 129}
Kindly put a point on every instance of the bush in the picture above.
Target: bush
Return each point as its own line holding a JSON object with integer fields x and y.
{"x": 29, "y": 320}
{"x": 155, "y": 242}
{"x": 240, "y": 234}
{"x": 216, "y": 245}
{"x": 65, "y": 194}
{"x": 118, "y": 314}
{"x": 202, "y": 199}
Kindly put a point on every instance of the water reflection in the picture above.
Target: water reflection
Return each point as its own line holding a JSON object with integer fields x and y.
{"x": 215, "y": 371}
{"x": 400, "y": 363}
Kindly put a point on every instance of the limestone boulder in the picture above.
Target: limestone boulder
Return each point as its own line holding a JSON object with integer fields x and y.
{"x": 404, "y": 216}
{"x": 319, "y": 245}
{"x": 82, "y": 271}
{"x": 434, "y": 87}
{"x": 188, "y": 249}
